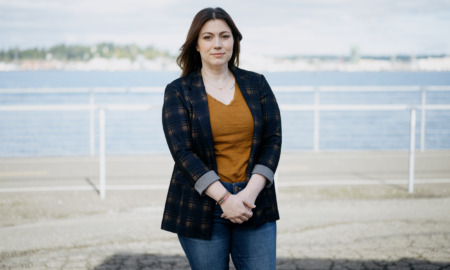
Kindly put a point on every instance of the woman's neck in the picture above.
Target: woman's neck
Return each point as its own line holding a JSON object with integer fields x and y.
{"x": 216, "y": 74}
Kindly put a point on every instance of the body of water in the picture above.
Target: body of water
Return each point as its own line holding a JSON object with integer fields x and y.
{"x": 33, "y": 79}
{"x": 67, "y": 133}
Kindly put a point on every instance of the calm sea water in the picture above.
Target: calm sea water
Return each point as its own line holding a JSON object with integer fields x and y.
{"x": 24, "y": 79}
{"x": 67, "y": 133}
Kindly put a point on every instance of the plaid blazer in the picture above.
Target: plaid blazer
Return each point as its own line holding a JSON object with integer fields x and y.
{"x": 187, "y": 128}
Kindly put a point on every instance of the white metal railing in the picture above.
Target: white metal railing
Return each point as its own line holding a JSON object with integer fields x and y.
{"x": 286, "y": 107}
{"x": 92, "y": 108}
{"x": 318, "y": 89}
{"x": 316, "y": 108}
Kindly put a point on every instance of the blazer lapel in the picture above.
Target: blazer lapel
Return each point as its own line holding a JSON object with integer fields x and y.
{"x": 199, "y": 102}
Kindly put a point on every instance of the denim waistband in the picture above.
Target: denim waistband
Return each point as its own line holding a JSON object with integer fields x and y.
{"x": 234, "y": 188}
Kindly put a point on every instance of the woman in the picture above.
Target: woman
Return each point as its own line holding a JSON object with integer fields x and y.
{"x": 223, "y": 128}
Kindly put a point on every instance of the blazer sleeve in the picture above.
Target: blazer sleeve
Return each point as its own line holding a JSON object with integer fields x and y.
{"x": 270, "y": 150}
{"x": 177, "y": 130}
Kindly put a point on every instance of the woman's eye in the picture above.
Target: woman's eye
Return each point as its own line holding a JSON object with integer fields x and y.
{"x": 226, "y": 37}
{"x": 207, "y": 37}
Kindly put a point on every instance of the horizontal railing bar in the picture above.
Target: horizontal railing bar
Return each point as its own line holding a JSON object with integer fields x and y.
{"x": 435, "y": 107}
{"x": 62, "y": 90}
{"x": 352, "y": 88}
{"x": 437, "y": 88}
{"x": 286, "y": 107}
{"x": 156, "y": 89}
{"x": 152, "y": 89}
{"x": 111, "y": 107}
{"x": 45, "y": 108}
{"x": 368, "y": 88}
{"x": 289, "y": 89}
{"x": 294, "y": 107}
{"x": 293, "y": 89}
{"x": 326, "y": 182}
{"x": 127, "y": 107}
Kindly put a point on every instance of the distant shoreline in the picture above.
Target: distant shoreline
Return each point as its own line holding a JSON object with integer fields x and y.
{"x": 250, "y": 62}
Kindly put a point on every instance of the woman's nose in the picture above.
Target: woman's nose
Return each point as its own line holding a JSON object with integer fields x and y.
{"x": 218, "y": 43}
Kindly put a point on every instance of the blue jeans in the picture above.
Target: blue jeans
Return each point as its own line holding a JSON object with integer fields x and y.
{"x": 250, "y": 248}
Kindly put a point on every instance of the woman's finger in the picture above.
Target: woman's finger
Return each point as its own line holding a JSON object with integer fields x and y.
{"x": 248, "y": 214}
{"x": 238, "y": 221}
{"x": 249, "y": 204}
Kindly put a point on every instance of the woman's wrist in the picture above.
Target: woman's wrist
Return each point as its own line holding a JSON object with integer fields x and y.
{"x": 254, "y": 186}
{"x": 216, "y": 191}
{"x": 224, "y": 198}
{"x": 257, "y": 182}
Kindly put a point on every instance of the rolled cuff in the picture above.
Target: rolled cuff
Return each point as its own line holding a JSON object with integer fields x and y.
{"x": 205, "y": 181}
{"x": 266, "y": 172}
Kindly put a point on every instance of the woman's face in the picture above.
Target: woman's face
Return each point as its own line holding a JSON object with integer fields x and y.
{"x": 215, "y": 43}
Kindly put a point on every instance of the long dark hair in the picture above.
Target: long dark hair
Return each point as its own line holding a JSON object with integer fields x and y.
{"x": 189, "y": 59}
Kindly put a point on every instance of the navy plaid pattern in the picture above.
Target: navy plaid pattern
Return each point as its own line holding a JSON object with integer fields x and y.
{"x": 188, "y": 133}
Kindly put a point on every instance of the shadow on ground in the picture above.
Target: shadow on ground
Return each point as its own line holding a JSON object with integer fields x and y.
{"x": 163, "y": 262}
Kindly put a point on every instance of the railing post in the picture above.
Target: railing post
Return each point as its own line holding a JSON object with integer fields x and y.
{"x": 316, "y": 119}
{"x": 91, "y": 123}
{"x": 412, "y": 147}
{"x": 422, "y": 117}
{"x": 102, "y": 153}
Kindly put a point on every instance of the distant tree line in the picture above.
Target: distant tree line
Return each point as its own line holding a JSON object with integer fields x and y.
{"x": 82, "y": 53}
{"x": 110, "y": 50}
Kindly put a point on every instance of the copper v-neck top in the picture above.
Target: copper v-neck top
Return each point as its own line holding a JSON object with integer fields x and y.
{"x": 232, "y": 129}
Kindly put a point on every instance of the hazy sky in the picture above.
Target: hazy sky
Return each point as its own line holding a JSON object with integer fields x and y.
{"x": 277, "y": 27}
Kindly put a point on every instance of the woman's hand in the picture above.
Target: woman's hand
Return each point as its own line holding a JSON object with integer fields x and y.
{"x": 248, "y": 196}
{"x": 252, "y": 190}
{"x": 234, "y": 208}
{"x": 237, "y": 209}
{"x": 240, "y": 207}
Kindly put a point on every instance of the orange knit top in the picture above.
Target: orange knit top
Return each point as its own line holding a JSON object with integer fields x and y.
{"x": 232, "y": 129}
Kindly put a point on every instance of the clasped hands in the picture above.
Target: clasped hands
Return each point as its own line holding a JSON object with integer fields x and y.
{"x": 238, "y": 207}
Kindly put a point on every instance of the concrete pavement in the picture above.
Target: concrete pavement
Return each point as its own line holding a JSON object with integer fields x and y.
{"x": 339, "y": 210}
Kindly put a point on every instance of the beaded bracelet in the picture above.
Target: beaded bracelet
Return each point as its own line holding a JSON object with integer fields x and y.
{"x": 223, "y": 196}
{"x": 221, "y": 201}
